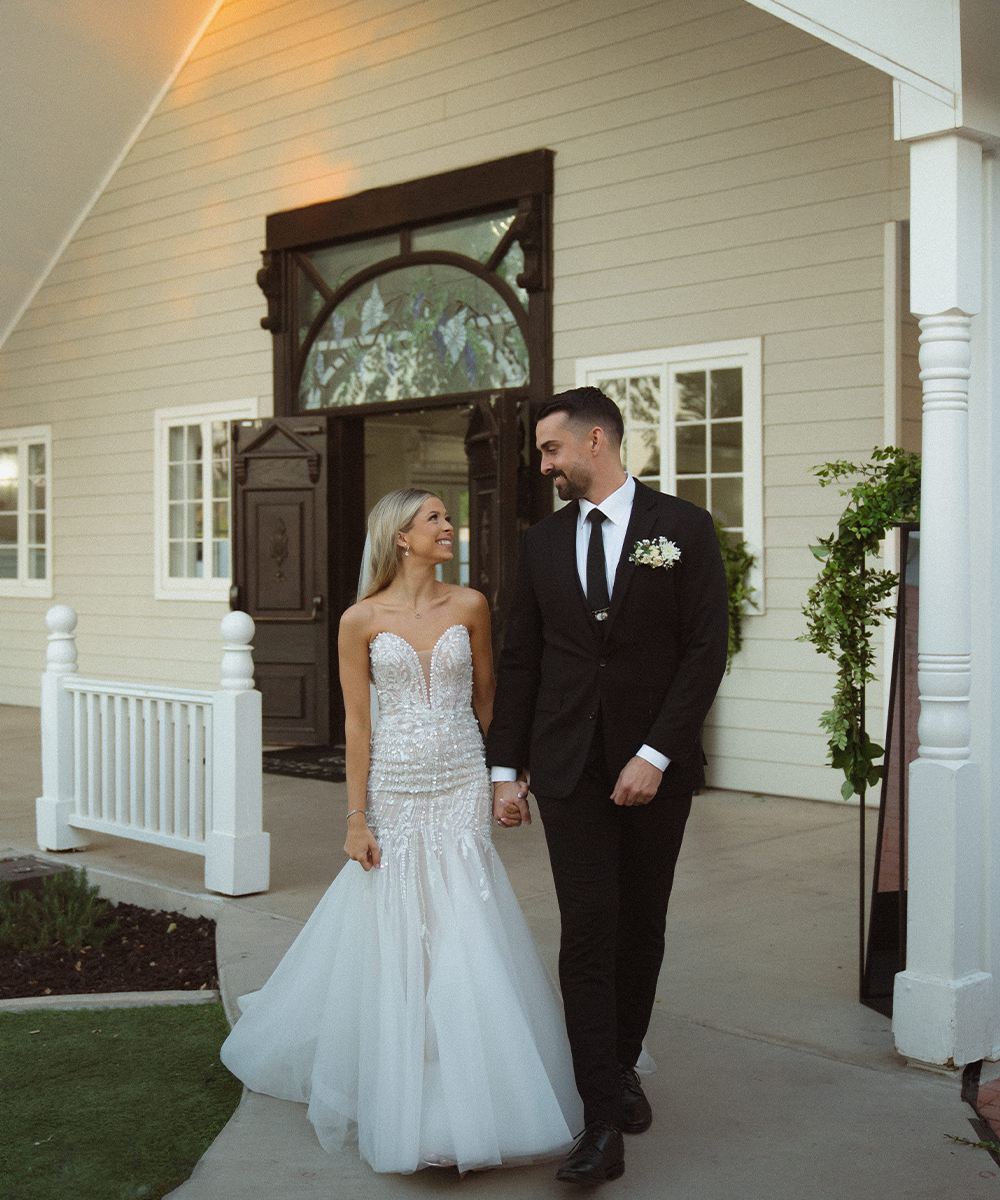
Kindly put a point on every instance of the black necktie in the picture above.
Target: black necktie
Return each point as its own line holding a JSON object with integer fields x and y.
{"x": 597, "y": 571}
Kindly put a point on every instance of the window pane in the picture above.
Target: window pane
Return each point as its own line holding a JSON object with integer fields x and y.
{"x": 36, "y": 493}
{"x": 220, "y": 560}
{"x": 643, "y": 456}
{"x": 176, "y": 520}
{"x": 220, "y": 439}
{"x": 36, "y": 563}
{"x": 336, "y": 264}
{"x": 727, "y": 447}
{"x": 193, "y": 521}
{"x": 690, "y": 395}
{"x": 693, "y": 490}
{"x": 428, "y": 330}
{"x": 644, "y": 399}
{"x": 8, "y": 529}
{"x": 194, "y": 481}
{"x": 36, "y": 459}
{"x": 690, "y": 449}
{"x": 220, "y": 519}
{"x": 310, "y": 302}
{"x": 727, "y": 501}
{"x": 36, "y": 529}
{"x": 176, "y": 560}
{"x": 176, "y": 483}
{"x": 8, "y": 562}
{"x": 727, "y": 392}
{"x": 176, "y": 443}
{"x": 510, "y": 268}
{"x": 220, "y": 480}
{"x": 193, "y": 560}
{"x": 614, "y": 389}
{"x": 8, "y": 479}
{"x": 476, "y": 237}
{"x": 194, "y": 443}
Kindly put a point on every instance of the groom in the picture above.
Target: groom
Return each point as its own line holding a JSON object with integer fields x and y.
{"x": 608, "y": 670}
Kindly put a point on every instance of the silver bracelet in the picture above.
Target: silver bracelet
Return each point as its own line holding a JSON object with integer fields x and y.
{"x": 353, "y": 811}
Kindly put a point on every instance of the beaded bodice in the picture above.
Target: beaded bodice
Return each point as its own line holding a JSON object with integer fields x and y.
{"x": 427, "y": 774}
{"x": 438, "y": 679}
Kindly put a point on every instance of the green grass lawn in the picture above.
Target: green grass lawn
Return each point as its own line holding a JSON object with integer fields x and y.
{"x": 115, "y": 1104}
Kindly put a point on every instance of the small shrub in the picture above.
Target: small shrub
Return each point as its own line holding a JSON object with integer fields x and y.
{"x": 68, "y": 910}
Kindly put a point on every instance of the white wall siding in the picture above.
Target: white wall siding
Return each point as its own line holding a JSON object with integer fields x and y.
{"x": 719, "y": 175}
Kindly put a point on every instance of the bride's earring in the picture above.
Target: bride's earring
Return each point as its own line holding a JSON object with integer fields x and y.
{"x": 406, "y": 552}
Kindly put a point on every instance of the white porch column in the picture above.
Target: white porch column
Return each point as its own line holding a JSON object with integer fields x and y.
{"x": 942, "y": 999}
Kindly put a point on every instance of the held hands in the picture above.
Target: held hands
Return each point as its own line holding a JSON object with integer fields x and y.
{"x": 636, "y": 784}
{"x": 361, "y": 845}
{"x": 510, "y": 803}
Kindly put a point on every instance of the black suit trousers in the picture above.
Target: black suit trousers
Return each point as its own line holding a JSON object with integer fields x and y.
{"x": 613, "y": 869}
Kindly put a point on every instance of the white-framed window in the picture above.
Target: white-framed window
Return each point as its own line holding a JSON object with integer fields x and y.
{"x": 693, "y": 427}
{"x": 191, "y": 484}
{"x": 25, "y": 511}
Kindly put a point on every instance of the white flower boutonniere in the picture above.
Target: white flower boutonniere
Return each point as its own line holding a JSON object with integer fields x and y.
{"x": 659, "y": 553}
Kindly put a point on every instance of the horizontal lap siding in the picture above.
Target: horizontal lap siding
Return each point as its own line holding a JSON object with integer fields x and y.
{"x": 718, "y": 175}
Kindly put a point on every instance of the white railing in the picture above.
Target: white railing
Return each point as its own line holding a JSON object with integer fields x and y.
{"x": 166, "y": 765}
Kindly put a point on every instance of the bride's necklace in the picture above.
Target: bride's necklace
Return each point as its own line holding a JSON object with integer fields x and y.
{"x": 418, "y": 615}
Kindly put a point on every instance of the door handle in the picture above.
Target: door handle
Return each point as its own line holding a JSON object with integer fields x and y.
{"x": 317, "y": 608}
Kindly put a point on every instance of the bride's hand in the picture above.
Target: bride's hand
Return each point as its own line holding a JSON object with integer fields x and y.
{"x": 510, "y": 804}
{"x": 361, "y": 846}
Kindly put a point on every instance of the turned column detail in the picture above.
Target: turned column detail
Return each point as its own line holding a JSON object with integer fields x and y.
{"x": 945, "y": 661}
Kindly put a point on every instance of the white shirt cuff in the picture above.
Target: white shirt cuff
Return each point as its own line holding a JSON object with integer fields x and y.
{"x": 504, "y": 774}
{"x": 660, "y": 761}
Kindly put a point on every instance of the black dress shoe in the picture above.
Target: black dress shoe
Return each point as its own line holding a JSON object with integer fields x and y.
{"x": 597, "y": 1157}
{"x": 637, "y": 1116}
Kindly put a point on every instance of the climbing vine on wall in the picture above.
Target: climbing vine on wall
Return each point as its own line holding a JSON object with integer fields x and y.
{"x": 847, "y": 603}
{"x": 739, "y": 562}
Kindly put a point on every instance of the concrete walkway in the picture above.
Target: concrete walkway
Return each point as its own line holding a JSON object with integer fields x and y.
{"x": 773, "y": 1082}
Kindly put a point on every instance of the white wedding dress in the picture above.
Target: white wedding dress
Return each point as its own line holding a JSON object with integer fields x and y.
{"x": 413, "y": 1006}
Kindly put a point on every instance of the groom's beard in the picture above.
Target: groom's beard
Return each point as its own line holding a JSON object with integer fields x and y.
{"x": 571, "y": 489}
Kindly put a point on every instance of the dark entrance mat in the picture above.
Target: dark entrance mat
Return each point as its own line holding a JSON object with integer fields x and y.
{"x": 307, "y": 762}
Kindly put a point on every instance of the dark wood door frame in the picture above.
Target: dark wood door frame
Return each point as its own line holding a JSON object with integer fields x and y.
{"x": 506, "y": 493}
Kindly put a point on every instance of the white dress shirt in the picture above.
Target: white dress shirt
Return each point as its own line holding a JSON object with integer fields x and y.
{"x": 617, "y": 509}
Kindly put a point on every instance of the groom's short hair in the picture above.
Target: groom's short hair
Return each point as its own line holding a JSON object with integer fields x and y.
{"x": 587, "y": 406}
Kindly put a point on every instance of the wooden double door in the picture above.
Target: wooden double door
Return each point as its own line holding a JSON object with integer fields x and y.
{"x": 302, "y": 490}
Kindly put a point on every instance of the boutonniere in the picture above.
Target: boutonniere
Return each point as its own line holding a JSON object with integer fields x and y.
{"x": 659, "y": 553}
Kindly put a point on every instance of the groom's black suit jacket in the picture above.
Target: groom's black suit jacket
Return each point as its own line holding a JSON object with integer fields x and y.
{"x": 650, "y": 671}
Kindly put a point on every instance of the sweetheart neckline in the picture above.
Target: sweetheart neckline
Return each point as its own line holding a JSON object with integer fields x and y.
{"x": 417, "y": 653}
{"x": 399, "y": 637}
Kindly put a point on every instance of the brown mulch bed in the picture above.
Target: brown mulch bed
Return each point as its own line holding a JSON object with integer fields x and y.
{"x": 144, "y": 954}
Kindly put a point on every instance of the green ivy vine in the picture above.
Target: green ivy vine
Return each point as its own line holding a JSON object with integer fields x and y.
{"x": 846, "y": 604}
{"x": 739, "y": 562}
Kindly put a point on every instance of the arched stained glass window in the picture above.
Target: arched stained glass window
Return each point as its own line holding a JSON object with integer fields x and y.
{"x": 429, "y": 329}
{"x": 420, "y": 290}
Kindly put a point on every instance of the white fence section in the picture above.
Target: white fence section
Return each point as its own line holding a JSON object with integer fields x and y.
{"x": 171, "y": 766}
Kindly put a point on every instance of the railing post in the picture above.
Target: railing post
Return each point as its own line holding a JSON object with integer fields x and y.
{"x": 57, "y": 803}
{"x": 237, "y": 850}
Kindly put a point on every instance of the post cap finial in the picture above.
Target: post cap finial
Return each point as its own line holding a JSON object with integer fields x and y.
{"x": 60, "y": 619}
{"x": 237, "y": 628}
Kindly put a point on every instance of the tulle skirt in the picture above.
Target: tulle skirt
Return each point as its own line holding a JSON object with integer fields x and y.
{"x": 414, "y": 1010}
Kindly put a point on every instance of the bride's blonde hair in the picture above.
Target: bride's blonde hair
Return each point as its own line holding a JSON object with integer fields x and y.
{"x": 392, "y": 515}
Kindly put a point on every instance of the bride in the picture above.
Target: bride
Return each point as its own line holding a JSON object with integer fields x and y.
{"x": 413, "y": 1007}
